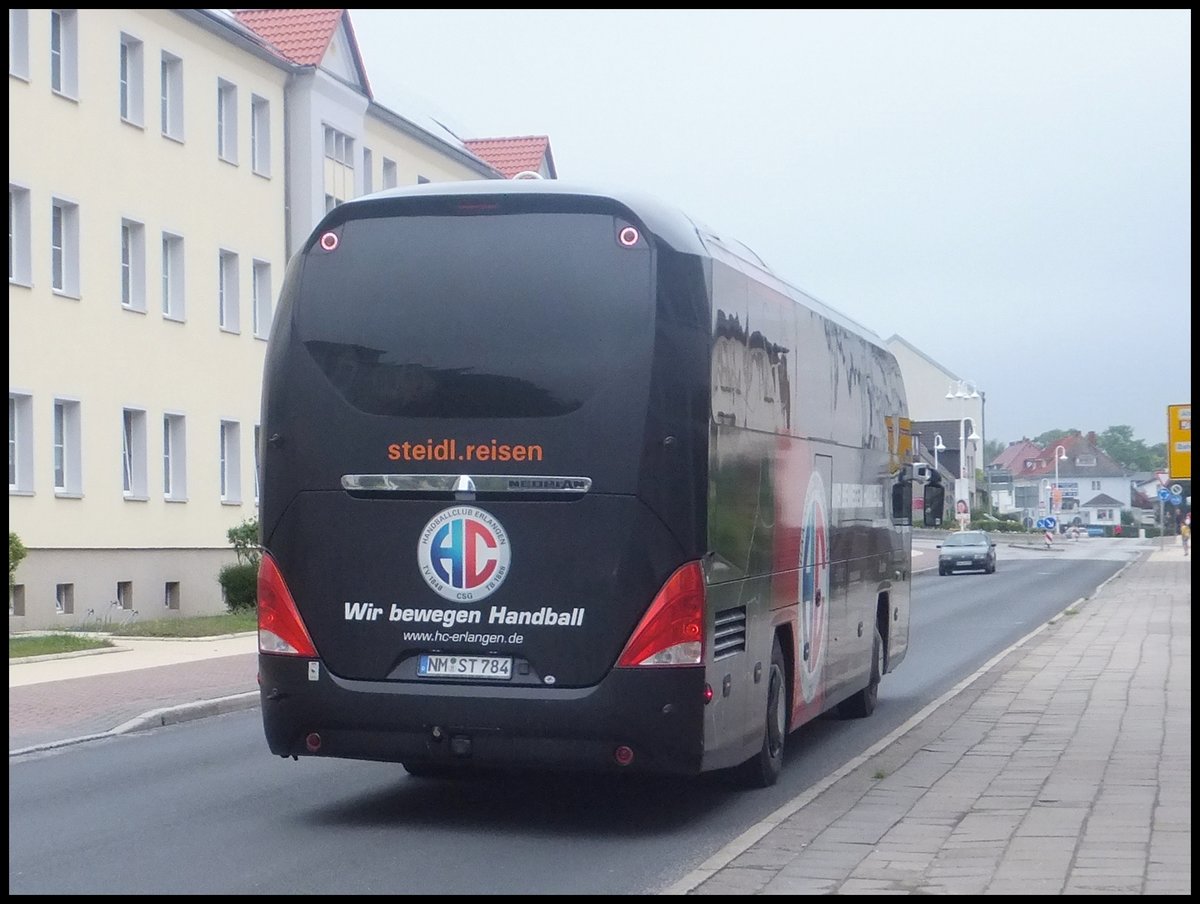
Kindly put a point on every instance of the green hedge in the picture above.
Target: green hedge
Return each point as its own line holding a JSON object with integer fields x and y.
{"x": 239, "y": 583}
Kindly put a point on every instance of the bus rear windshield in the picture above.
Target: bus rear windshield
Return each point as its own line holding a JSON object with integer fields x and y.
{"x": 507, "y": 315}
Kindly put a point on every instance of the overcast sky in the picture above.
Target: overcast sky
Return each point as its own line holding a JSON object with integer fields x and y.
{"x": 1010, "y": 191}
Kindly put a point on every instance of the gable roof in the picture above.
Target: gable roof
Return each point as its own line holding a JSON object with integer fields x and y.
{"x": 1014, "y": 455}
{"x": 526, "y": 153}
{"x": 302, "y": 36}
{"x": 1073, "y": 446}
{"x": 1103, "y": 499}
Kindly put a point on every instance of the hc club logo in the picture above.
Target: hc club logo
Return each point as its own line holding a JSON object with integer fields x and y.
{"x": 814, "y": 588}
{"x": 463, "y": 554}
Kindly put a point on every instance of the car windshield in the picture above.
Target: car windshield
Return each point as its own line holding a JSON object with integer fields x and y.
{"x": 966, "y": 539}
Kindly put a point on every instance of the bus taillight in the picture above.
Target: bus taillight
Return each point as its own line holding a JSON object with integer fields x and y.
{"x": 672, "y": 630}
{"x": 280, "y": 628}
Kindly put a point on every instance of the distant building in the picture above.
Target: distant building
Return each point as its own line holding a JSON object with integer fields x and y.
{"x": 1087, "y": 488}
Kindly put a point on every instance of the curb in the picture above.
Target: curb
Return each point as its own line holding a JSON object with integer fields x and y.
{"x": 157, "y": 718}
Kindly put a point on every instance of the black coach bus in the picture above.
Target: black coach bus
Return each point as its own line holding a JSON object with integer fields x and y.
{"x": 556, "y": 477}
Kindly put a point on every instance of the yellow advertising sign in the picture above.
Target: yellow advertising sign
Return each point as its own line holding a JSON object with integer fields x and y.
{"x": 1179, "y": 441}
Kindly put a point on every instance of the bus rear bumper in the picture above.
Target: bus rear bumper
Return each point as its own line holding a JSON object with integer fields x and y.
{"x": 657, "y": 714}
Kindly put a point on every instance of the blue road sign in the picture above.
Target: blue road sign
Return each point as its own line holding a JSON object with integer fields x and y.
{"x": 1051, "y": 523}
{"x": 1164, "y": 494}
{"x": 1176, "y": 500}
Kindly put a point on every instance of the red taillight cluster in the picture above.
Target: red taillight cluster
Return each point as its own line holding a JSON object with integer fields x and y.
{"x": 280, "y": 627}
{"x": 672, "y": 630}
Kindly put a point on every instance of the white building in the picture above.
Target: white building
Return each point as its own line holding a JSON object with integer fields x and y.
{"x": 162, "y": 166}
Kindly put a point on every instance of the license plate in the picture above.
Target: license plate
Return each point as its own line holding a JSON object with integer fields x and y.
{"x": 963, "y": 563}
{"x": 495, "y": 668}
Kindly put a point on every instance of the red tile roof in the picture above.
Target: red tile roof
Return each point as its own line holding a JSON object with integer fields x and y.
{"x": 302, "y": 36}
{"x": 515, "y": 155}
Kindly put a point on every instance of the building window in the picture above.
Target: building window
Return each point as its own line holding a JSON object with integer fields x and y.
{"x": 133, "y": 265}
{"x": 230, "y": 452}
{"x": 64, "y": 52}
{"x": 1104, "y": 514}
{"x": 64, "y": 247}
{"x": 171, "y": 595}
{"x": 368, "y": 174}
{"x": 339, "y": 168}
{"x": 20, "y": 443}
{"x": 260, "y": 135}
{"x": 1085, "y": 461}
{"x": 227, "y": 121}
{"x": 67, "y": 449}
{"x": 132, "y": 79}
{"x": 389, "y": 173}
{"x": 125, "y": 594}
{"x": 257, "y": 458}
{"x": 172, "y": 277}
{"x": 262, "y": 299}
{"x": 18, "y": 43}
{"x": 174, "y": 457}
{"x": 1095, "y": 485}
{"x": 64, "y": 599}
{"x": 19, "y": 246}
{"x": 227, "y": 292}
{"x": 172, "y": 96}
{"x": 133, "y": 453}
{"x": 16, "y": 600}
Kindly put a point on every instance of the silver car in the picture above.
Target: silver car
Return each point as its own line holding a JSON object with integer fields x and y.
{"x": 968, "y": 550}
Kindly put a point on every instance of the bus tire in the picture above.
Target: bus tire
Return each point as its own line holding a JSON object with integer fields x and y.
{"x": 762, "y": 770}
{"x": 862, "y": 704}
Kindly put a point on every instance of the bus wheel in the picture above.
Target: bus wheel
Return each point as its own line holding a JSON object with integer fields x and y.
{"x": 863, "y": 703}
{"x": 762, "y": 770}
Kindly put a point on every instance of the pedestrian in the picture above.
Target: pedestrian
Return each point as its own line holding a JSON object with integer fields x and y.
{"x": 1185, "y": 532}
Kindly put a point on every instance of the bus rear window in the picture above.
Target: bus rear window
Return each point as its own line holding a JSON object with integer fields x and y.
{"x": 513, "y": 315}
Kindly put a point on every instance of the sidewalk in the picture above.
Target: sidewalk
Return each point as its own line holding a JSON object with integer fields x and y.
{"x": 1061, "y": 767}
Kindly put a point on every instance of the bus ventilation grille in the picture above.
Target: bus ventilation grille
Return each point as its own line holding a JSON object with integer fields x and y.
{"x": 730, "y": 633}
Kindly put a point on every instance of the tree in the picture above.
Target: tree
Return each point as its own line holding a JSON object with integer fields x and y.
{"x": 1132, "y": 454}
{"x": 16, "y": 552}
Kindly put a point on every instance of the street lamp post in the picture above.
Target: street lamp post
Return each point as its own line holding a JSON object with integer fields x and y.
{"x": 1045, "y": 485}
{"x": 963, "y": 439}
{"x": 938, "y": 446}
{"x": 1060, "y": 454}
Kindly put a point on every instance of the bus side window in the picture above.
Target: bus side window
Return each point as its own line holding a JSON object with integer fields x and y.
{"x": 902, "y": 502}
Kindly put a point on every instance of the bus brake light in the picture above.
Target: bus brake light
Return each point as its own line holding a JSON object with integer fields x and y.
{"x": 672, "y": 630}
{"x": 280, "y": 627}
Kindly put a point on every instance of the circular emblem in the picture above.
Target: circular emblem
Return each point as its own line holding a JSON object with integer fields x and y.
{"x": 814, "y": 588}
{"x": 463, "y": 554}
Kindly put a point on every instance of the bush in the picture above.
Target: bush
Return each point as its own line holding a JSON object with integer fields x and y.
{"x": 244, "y": 540}
{"x": 239, "y": 584}
{"x": 16, "y": 552}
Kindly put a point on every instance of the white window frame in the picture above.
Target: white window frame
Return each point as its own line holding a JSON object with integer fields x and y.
{"x": 368, "y": 168}
{"x": 64, "y": 247}
{"x": 171, "y": 594}
{"x": 64, "y": 53}
{"x": 171, "y": 96}
{"x": 133, "y": 455}
{"x": 260, "y": 135}
{"x": 257, "y": 458}
{"x": 132, "y": 72}
{"x": 133, "y": 265}
{"x": 174, "y": 301}
{"x": 64, "y": 599}
{"x": 20, "y": 443}
{"x": 174, "y": 457}
{"x": 230, "y": 463}
{"x": 67, "y": 448}
{"x": 228, "y": 307}
{"x": 125, "y": 595}
{"x": 262, "y": 298}
{"x": 391, "y": 177}
{"x": 20, "y": 245}
{"x": 227, "y": 121}
{"x": 18, "y": 43}
{"x": 339, "y": 167}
